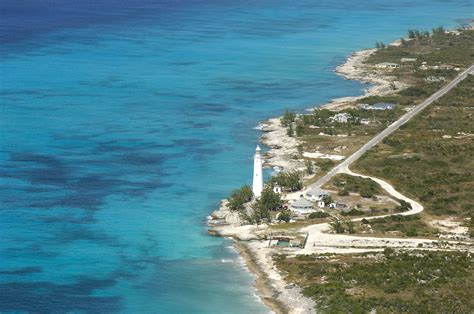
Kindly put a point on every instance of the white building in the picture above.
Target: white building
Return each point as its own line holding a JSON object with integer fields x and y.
{"x": 387, "y": 65}
{"x": 257, "y": 186}
{"x": 302, "y": 206}
{"x": 435, "y": 79}
{"x": 378, "y": 106}
{"x": 341, "y": 117}
{"x": 407, "y": 59}
{"x": 277, "y": 189}
{"x": 316, "y": 194}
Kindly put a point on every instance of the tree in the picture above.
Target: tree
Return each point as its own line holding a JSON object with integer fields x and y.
{"x": 438, "y": 31}
{"x": 288, "y": 180}
{"x": 309, "y": 167}
{"x": 257, "y": 215}
{"x": 411, "y": 33}
{"x": 404, "y": 206}
{"x": 285, "y": 216}
{"x": 350, "y": 227}
{"x": 288, "y": 118}
{"x": 290, "y": 132}
{"x": 327, "y": 199}
{"x": 239, "y": 197}
{"x": 306, "y": 119}
{"x": 337, "y": 226}
{"x": 299, "y": 129}
{"x": 269, "y": 200}
{"x": 300, "y": 149}
{"x": 366, "y": 191}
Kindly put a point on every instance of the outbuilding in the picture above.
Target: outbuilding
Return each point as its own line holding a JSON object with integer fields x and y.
{"x": 387, "y": 65}
{"x": 378, "y": 106}
{"x": 343, "y": 117}
{"x": 316, "y": 194}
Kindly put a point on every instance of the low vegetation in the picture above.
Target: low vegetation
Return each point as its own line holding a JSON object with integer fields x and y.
{"x": 287, "y": 180}
{"x": 239, "y": 197}
{"x": 409, "y": 226}
{"x": 431, "y": 157}
{"x": 392, "y": 282}
{"x": 316, "y": 215}
{"x": 342, "y": 226}
{"x": 261, "y": 210}
{"x": 365, "y": 187}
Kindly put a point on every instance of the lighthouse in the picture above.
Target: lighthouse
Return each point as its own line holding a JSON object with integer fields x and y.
{"x": 257, "y": 186}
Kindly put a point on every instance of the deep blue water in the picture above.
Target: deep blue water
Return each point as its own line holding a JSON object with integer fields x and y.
{"x": 124, "y": 122}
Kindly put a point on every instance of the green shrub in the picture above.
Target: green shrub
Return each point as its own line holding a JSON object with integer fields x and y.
{"x": 343, "y": 192}
{"x": 269, "y": 200}
{"x": 309, "y": 167}
{"x": 288, "y": 118}
{"x": 285, "y": 216}
{"x": 352, "y": 212}
{"x": 337, "y": 226}
{"x": 364, "y": 186}
{"x": 315, "y": 215}
{"x": 288, "y": 180}
{"x": 239, "y": 197}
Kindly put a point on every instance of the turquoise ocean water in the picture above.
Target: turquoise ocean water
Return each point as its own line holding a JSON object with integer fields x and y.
{"x": 124, "y": 124}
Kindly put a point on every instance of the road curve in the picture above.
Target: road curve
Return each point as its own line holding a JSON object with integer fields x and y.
{"x": 320, "y": 240}
{"x": 393, "y": 127}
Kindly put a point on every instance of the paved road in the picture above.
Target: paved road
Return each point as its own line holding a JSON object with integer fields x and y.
{"x": 393, "y": 127}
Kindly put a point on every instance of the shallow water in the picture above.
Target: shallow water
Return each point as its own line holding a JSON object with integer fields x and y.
{"x": 122, "y": 125}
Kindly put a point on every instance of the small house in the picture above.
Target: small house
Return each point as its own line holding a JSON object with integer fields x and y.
{"x": 378, "y": 106}
{"x": 445, "y": 67}
{"x": 402, "y": 60}
{"x": 435, "y": 79}
{"x": 277, "y": 189}
{"x": 387, "y": 65}
{"x": 302, "y": 205}
{"x": 316, "y": 194}
{"x": 341, "y": 117}
{"x": 335, "y": 205}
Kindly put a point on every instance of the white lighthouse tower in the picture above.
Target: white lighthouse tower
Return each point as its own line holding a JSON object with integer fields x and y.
{"x": 257, "y": 186}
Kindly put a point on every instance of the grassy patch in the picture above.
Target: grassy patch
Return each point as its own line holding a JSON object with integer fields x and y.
{"x": 364, "y": 186}
{"x": 431, "y": 157}
{"x": 410, "y": 226}
{"x": 406, "y": 282}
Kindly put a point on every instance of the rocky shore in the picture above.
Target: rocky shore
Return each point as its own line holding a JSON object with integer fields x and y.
{"x": 250, "y": 242}
{"x": 354, "y": 68}
{"x": 249, "y": 239}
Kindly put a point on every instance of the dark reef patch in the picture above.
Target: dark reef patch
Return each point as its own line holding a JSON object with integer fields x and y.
{"x": 59, "y": 181}
{"x": 22, "y": 271}
{"x": 48, "y": 297}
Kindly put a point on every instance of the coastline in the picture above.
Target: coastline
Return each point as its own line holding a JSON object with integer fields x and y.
{"x": 271, "y": 286}
{"x": 262, "y": 284}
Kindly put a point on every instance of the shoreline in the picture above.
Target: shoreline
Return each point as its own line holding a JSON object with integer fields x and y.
{"x": 262, "y": 284}
{"x": 271, "y": 287}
